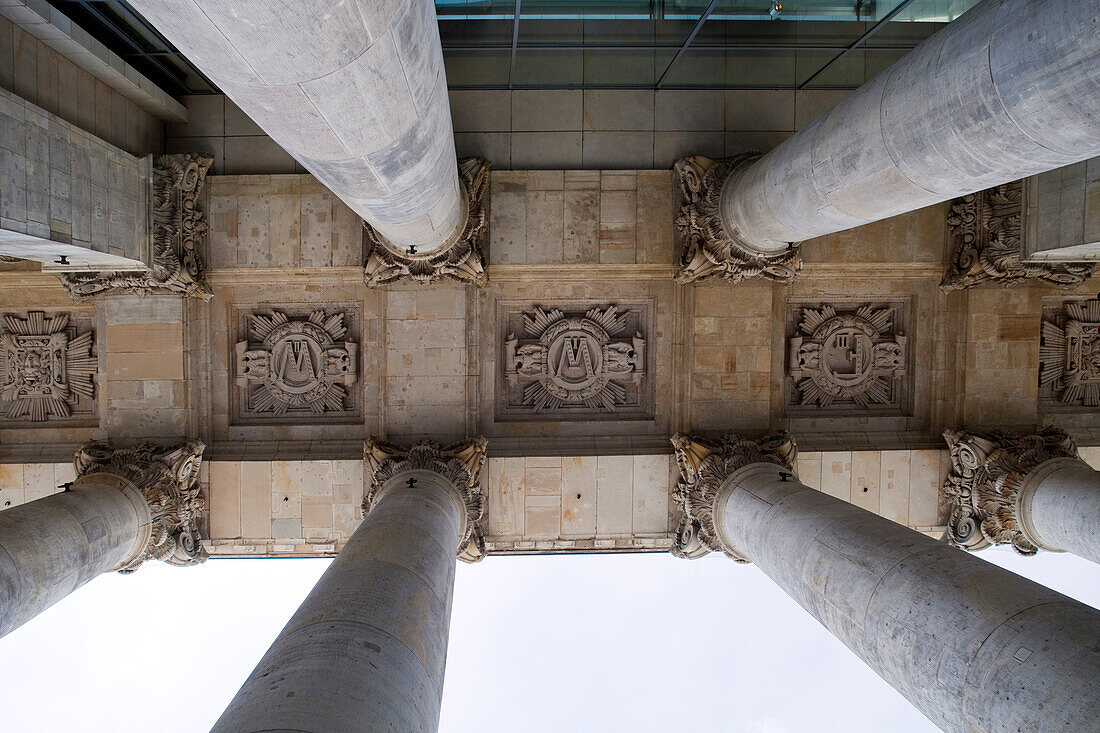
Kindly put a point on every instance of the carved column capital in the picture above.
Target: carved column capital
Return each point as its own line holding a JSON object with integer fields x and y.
{"x": 168, "y": 478}
{"x": 984, "y": 230}
{"x": 459, "y": 464}
{"x": 987, "y": 472}
{"x": 461, "y": 258}
{"x": 710, "y": 248}
{"x": 704, "y": 464}
{"x": 178, "y": 228}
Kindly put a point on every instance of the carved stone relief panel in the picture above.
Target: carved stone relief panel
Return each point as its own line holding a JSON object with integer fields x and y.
{"x": 574, "y": 360}
{"x": 297, "y": 365}
{"x": 848, "y": 358}
{"x": 1069, "y": 355}
{"x": 47, "y": 369}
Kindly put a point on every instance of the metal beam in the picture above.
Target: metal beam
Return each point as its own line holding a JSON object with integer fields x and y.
{"x": 515, "y": 43}
{"x": 854, "y": 45}
{"x": 687, "y": 41}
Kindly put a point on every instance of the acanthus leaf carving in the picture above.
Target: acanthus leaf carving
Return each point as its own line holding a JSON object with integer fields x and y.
{"x": 459, "y": 464}
{"x": 168, "y": 478}
{"x": 709, "y": 249}
{"x": 984, "y": 229}
{"x": 46, "y": 367}
{"x": 704, "y": 464}
{"x": 1069, "y": 354}
{"x": 987, "y": 472}
{"x": 179, "y": 227}
{"x": 462, "y": 258}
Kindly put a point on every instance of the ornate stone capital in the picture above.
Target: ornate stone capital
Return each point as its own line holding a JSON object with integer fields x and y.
{"x": 46, "y": 367}
{"x": 704, "y": 464}
{"x": 462, "y": 257}
{"x": 984, "y": 232}
{"x": 987, "y": 473}
{"x": 459, "y": 464}
{"x": 179, "y": 226}
{"x": 710, "y": 249}
{"x": 168, "y": 478}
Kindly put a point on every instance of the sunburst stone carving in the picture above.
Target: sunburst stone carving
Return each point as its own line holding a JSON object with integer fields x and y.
{"x": 852, "y": 358}
{"x": 704, "y": 464}
{"x": 462, "y": 258}
{"x": 984, "y": 231}
{"x": 710, "y": 249}
{"x": 987, "y": 472}
{"x": 179, "y": 227}
{"x": 459, "y": 464}
{"x": 168, "y": 478}
{"x": 296, "y": 364}
{"x": 1069, "y": 354}
{"x": 45, "y": 367}
{"x": 593, "y": 360}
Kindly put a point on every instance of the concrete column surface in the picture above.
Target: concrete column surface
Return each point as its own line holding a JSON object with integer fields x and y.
{"x": 355, "y": 91}
{"x": 367, "y": 648}
{"x": 51, "y": 546}
{"x": 972, "y": 646}
{"x": 1008, "y": 90}
{"x": 1059, "y": 507}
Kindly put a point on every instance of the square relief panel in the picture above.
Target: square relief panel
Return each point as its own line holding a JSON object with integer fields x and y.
{"x": 847, "y": 358}
{"x": 47, "y": 369}
{"x": 297, "y": 365}
{"x": 574, "y": 360}
{"x": 1069, "y": 355}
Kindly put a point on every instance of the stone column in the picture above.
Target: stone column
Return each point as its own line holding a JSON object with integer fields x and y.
{"x": 1008, "y": 90}
{"x": 356, "y": 92}
{"x": 973, "y": 647}
{"x": 366, "y": 650}
{"x": 1030, "y": 491}
{"x": 126, "y": 506}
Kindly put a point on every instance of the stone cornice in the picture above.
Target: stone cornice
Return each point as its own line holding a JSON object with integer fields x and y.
{"x": 704, "y": 464}
{"x": 178, "y": 228}
{"x": 709, "y": 249}
{"x": 987, "y": 472}
{"x": 461, "y": 259}
{"x": 459, "y": 464}
{"x": 168, "y": 478}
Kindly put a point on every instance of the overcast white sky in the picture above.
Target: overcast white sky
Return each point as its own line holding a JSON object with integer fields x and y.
{"x": 538, "y": 644}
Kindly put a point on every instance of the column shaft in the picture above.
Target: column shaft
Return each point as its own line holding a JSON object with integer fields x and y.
{"x": 52, "y": 546}
{"x": 356, "y": 92}
{"x": 972, "y": 646}
{"x": 1008, "y": 90}
{"x": 1059, "y": 507}
{"x": 367, "y": 648}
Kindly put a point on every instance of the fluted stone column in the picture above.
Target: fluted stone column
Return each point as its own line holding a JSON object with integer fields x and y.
{"x": 126, "y": 506}
{"x": 366, "y": 650}
{"x": 1008, "y": 90}
{"x": 1027, "y": 490}
{"x": 355, "y": 91}
{"x": 973, "y": 647}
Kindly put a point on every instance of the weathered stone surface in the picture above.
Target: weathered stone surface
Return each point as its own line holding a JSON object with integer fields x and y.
{"x": 46, "y": 368}
{"x": 712, "y": 248}
{"x": 458, "y": 466}
{"x": 460, "y": 257}
{"x": 570, "y": 362}
{"x": 1069, "y": 354}
{"x": 985, "y": 236}
{"x": 179, "y": 228}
